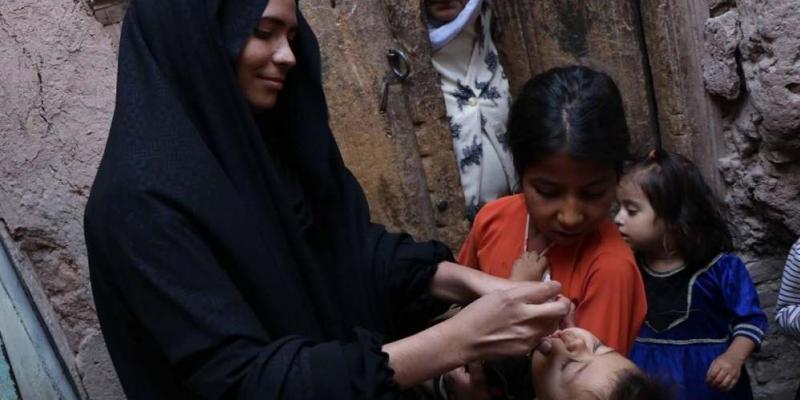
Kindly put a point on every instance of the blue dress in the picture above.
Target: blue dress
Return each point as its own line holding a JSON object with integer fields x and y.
{"x": 692, "y": 318}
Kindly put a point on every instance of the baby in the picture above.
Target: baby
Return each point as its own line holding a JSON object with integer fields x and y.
{"x": 572, "y": 363}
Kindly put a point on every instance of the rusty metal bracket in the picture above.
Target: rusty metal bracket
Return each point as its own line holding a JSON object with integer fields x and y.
{"x": 400, "y": 70}
{"x": 398, "y": 60}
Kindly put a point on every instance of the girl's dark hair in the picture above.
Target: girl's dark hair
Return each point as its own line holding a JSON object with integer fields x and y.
{"x": 637, "y": 386}
{"x": 575, "y": 110}
{"x": 680, "y": 197}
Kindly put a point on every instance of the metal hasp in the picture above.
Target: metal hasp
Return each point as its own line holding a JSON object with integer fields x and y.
{"x": 400, "y": 70}
{"x": 398, "y": 60}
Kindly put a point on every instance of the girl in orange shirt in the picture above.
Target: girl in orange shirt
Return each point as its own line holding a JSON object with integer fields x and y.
{"x": 568, "y": 137}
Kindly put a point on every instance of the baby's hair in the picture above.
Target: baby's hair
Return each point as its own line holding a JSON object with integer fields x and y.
{"x": 575, "y": 110}
{"x": 631, "y": 384}
{"x": 637, "y": 386}
{"x": 679, "y": 196}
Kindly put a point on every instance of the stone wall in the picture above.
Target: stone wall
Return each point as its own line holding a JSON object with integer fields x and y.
{"x": 57, "y": 83}
{"x": 752, "y": 67}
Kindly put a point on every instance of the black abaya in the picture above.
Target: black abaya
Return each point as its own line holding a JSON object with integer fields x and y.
{"x": 219, "y": 269}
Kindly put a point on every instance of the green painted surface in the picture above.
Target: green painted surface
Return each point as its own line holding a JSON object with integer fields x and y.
{"x": 8, "y": 389}
{"x": 37, "y": 370}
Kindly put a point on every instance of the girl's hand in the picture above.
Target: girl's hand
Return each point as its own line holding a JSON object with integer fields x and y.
{"x": 530, "y": 266}
{"x": 724, "y": 372}
{"x": 468, "y": 383}
{"x": 511, "y": 322}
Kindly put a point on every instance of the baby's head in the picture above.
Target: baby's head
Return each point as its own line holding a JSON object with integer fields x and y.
{"x": 444, "y": 11}
{"x": 667, "y": 208}
{"x": 578, "y": 366}
{"x": 569, "y": 140}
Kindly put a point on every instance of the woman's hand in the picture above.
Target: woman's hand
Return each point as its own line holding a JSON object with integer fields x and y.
{"x": 511, "y": 322}
{"x": 530, "y": 266}
{"x": 455, "y": 283}
{"x": 503, "y": 323}
{"x": 459, "y": 284}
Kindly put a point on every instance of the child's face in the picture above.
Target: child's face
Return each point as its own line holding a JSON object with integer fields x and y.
{"x": 568, "y": 198}
{"x": 636, "y": 219}
{"x": 577, "y": 366}
{"x": 444, "y": 11}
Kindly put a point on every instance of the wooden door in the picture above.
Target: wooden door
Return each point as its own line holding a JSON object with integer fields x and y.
{"x": 602, "y": 34}
{"x": 8, "y": 388}
{"x": 403, "y": 157}
{"x": 30, "y": 365}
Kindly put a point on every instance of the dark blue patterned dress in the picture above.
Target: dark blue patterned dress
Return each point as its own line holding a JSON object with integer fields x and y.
{"x": 692, "y": 319}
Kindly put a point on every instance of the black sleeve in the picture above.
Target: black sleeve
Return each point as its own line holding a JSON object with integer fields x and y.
{"x": 403, "y": 271}
{"x": 176, "y": 289}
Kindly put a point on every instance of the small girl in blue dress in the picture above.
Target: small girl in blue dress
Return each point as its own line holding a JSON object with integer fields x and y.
{"x": 703, "y": 318}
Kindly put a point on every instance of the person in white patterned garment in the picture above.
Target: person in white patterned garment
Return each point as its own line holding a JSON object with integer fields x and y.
{"x": 476, "y": 95}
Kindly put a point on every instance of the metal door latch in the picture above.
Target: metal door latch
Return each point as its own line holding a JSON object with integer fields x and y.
{"x": 400, "y": 70}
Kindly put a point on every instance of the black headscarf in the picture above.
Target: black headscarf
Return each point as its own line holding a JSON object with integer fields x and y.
{"x": 231, "y": 254}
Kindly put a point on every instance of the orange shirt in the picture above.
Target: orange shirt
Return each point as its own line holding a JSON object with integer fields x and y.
{"x": 599, "y": 274}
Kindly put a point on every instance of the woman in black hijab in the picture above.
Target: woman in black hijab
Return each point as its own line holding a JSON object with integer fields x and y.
{"x": 230, "y": 250}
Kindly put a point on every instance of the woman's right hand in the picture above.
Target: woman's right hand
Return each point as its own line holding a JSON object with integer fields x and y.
{"x": 505, "y": 322}
{"x": 511, "y": 322}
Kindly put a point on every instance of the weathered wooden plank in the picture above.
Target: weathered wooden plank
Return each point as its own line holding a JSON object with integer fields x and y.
{"x": 427, "y": 111}
{"x": 689, "y": 121}
{"x": 513, "y": 35}
{"x": 8, "y": 389}
{"x": 38, "y": 372}
{"x": 602, "y": 34}
{"x": 44, "y": 309}
{"x": 109, "y": 11}
{"x": 380, "y": 149}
